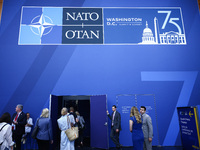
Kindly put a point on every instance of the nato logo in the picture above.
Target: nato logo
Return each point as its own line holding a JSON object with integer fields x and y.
{"x": 58, "y": 25}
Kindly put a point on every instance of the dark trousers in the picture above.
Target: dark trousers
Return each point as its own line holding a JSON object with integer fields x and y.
{"x": 114, "y": 137}
{"x": 43, "y": 144}
{"x": 17, "y": 138}
{"x": 80, "y": 138}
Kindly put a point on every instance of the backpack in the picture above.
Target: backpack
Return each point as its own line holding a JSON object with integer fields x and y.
{"x": 2, "y": 140}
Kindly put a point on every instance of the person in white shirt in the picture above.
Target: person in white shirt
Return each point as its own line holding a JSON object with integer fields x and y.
{"x": 6, "y": 132}
{"x": 64, "y": 123}
{"x": 27, "y": 128}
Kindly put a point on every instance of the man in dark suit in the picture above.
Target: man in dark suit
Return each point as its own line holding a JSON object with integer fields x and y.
{"x": 18, "y": 125}
{"x": 71, "y": 112}
{"x": 115, "y": 126}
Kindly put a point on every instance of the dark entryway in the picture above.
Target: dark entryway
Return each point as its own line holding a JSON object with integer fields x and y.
{"x": 92, "y": 108}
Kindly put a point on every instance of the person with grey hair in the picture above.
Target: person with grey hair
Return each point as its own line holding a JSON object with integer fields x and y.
{"x": 18, "y": 125}
{"x": 64, "y": 123}
{"x": 45, "y": 133}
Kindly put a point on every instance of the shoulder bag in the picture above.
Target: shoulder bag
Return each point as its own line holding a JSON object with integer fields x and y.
{"x": 72, "y": 133}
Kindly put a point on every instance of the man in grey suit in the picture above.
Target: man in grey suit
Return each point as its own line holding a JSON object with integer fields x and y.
{"x": 116, "y": 126}
{"x": 147, "y": 129}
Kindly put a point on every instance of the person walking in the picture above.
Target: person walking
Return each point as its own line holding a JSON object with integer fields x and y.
{"x": 81, "y": 126}
{"x": 71, "y": 112}
{"x": 115, "y": 126}
{"x": 45, "y": 134}
{"x": 64, "y": 123}
{"x": 135, "y": 125}
{"x": 147, "y": 128}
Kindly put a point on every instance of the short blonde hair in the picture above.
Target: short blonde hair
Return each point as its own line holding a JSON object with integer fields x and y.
{"x": 64, "y": 111}
{"x": 45, "y": 113}
{"x": 135, "y": 112}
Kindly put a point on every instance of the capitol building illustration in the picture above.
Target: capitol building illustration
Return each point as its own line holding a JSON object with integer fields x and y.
{"x": 147, "y": 37}
{"x": 170, "y": 37}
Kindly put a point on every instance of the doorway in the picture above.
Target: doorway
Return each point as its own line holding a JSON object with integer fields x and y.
{"x": 91, "y": 108}
{"x": 82, "y": 105}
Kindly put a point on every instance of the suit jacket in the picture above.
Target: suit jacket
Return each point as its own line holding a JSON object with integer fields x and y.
{"x": 22, "y": 120}
{"x": 45, "y": 129}
{"x": 117, "y": 120}
{"x": 147, "y": 126}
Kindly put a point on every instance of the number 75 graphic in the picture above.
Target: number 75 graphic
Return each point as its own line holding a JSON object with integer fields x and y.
{"x": 170, "y": 20}
{"x": 188, "y": 78}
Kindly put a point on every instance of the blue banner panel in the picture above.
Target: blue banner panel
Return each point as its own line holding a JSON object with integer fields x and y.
{"x": 143, "y": 26}
{"x": 40, "y": 26}
{"x": 189, "y": 127}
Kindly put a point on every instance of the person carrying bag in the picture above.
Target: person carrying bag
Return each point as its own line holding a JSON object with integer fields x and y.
{"x": 1, "y": 137}
{"x": 6, "y": 142}
{"x": 72, "y": 133}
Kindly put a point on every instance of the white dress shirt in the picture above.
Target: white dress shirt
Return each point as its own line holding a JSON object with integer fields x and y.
{"x": 27, "y": 128}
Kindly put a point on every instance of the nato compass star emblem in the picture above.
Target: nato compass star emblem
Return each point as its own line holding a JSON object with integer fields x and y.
{"x": 41, "y": 25}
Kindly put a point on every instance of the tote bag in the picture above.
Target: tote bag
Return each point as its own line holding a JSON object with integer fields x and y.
{"x": 72, "y": 133}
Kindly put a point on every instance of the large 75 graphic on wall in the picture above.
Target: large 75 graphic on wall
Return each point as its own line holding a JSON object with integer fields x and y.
{"x": 189, "y": 79}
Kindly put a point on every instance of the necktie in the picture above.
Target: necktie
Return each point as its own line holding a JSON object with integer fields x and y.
{"x": 13, "y": 126}
{"x": 113, "y": 118}
{"x": 16, "y": 117}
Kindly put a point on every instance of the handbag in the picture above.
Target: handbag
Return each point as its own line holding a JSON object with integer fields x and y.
{"x": 35, "y": 131}
{"x": 72, "y": 133}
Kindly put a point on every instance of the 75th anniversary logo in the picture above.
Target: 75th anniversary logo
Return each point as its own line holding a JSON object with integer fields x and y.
{"x": 104, "y": 26}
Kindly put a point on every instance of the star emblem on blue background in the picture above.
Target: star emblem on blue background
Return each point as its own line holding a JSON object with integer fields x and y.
{"x": 43, "y": 26}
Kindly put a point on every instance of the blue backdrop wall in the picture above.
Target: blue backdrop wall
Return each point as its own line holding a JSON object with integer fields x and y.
{"x": 30, "y": 73}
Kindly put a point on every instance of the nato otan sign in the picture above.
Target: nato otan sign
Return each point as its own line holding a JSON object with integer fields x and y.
{"x": 104, "y": 26}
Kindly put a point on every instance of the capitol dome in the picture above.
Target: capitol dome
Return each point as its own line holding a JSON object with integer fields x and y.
{"x": 147, "y": 30}
{"x": 148, "y": 37}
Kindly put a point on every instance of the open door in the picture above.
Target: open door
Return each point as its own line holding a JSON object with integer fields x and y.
{"x": 99, "y": 119}
{"x": 55, "y": 109}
